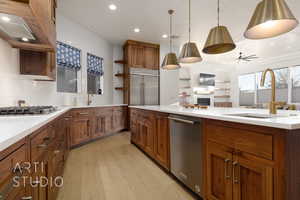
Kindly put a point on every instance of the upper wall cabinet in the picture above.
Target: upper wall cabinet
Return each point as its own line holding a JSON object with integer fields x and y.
{"x": 29, "y": 24}
{"x": 142, "y": 55}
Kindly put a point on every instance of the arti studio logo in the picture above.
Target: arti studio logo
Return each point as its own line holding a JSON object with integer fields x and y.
{"x": 26, "y": 173}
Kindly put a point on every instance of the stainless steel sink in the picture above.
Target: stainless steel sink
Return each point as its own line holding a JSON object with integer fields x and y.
{"x": 261, "y": 116}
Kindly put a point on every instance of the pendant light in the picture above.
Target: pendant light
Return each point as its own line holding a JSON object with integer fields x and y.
{"x": 271, "y": 18}
{"x": 189, "y": 52}
{"x": 219, "y": 39}
{"x": 170, "y": 61}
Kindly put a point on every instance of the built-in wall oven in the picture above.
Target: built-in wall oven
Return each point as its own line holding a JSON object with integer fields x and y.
{"x": 186, "y": 150}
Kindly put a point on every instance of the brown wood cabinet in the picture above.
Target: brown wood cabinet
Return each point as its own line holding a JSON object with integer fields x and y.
{"x": 162, "y": 140}
{"x": 243, "y": 161}
{"x": 141, "y": 54}
{"x": 150, "y": 132}
{"x": 38, "y": 63}
{"x": 119, "y": 119}
{"x": 80, "y": 130}
{"x": 138, "y": 55}
{"x": 40, "y": 18}
{"x": 47, "y": 149}
{"x": 151, "y": 55}
{"x": 9, "y": 174}
{"x": 92, "y": 123}
{"x": 103, "y": 122}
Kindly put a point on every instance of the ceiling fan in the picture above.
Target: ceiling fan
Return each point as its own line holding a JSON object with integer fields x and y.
{"x": 246, "y": 58}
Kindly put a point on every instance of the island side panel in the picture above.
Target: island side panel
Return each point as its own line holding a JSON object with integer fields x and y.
{"x": 292, "y": 165}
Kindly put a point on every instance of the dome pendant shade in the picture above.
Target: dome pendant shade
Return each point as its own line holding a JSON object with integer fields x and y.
{"x": 219, "y": 41}
{"x": 190, "y": 53}
{"x": 170, "y": 62}
{"x": 271, "y": 18}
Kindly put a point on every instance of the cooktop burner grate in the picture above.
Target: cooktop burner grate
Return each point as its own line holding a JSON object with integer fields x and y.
{"x": 32, "y": 110}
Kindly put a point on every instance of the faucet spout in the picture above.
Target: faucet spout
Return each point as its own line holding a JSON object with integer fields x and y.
{"x": 273, "y": 103}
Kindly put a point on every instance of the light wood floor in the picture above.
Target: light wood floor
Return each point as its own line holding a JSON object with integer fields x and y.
{"x": 113, "y": 169}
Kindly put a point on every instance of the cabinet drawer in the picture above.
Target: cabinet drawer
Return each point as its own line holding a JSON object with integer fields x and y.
{"x": 39, "y": 144}
{"x": 79, "y": 113}
{"x": 252, "y": 142}
{"x": 8, "y": 174}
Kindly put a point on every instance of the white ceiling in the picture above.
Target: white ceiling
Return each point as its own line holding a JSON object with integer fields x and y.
{"x": 152, "y": 18}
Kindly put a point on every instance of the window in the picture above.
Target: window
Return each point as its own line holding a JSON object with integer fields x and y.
{"x": 95, "y": 74}
{"x": 68, "y": 64}
{"x": 66, "y": 80}
{"x": 249, "y": 86}
{"x": 247, "y": 89}
{"x": 264, "y": 92}
{"x": 94, "y": 84}
{"x": 295, "y": 74}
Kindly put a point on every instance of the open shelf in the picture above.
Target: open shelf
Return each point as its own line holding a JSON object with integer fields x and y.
{"x": 119, "y": 88}
{"x": 222, "y": 97}
{"x": 120, "y": 62}
{"x": 184, "y": 79}
{"x": 222, "y": 89}
{"x": 119, "y": 75}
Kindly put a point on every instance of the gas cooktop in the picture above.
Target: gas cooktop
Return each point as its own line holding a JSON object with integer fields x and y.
{"x": 30, "y": 110}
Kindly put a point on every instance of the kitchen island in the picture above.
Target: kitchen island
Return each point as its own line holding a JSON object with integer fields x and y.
{"x": 247, "y": 153}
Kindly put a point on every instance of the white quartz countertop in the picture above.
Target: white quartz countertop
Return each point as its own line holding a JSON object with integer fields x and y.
{"x": 15, "y": 128}
{"x": 283, "y": 121}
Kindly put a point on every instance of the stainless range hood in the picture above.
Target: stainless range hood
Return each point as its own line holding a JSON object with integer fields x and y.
{"x": 15, "y": 27}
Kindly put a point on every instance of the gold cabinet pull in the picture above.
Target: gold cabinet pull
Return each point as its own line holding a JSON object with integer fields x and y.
{"x": 235, "y": 172}
{"x": 227, "y": 162}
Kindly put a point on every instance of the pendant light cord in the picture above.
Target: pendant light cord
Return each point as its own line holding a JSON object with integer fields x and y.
{"x": 218, "y": 10}
{"x": 170, "y": 33}
{"x": 189, "y": 21}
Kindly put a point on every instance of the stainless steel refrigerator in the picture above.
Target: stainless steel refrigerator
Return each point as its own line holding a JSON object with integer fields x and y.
{"x": 144, "y": 86}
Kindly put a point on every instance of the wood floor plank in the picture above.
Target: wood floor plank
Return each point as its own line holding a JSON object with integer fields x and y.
{"x": 114, "y": 169}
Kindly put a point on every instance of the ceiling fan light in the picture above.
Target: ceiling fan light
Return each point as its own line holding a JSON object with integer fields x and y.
{"x": 170, "y": 62}
{"x": 219, "y": 41}
{"x": 190, "y": 53}
{"x": 271, "y": 18}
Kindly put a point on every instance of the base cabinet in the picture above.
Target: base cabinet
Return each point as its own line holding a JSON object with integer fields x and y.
{"x": 161, "y": 140}
{"x": 238, "y": 166}
{"x": 150, "y": 132}
{"x": 80, "y": 131}
{"x": 92, "y": 123}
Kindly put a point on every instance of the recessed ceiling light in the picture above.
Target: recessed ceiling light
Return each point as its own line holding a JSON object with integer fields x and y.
{"x": 112, "y": 7}
{"x": 137, "y": 30}
{"x": 6, "y": 19}
{"x": 165, "y": 36}
{"x": 25, "y": 39}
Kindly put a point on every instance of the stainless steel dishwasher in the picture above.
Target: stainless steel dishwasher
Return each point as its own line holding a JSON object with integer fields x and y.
{"x": 186, "y": 150}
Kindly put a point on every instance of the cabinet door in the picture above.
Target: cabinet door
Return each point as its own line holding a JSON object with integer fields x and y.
{"x": 133, "y": 126}
{"x": 38, "y": 183}
{"x": 80, "y": 131}
{"x": 151, "y": 58}
{"x": 162, "y": 141}
{"x": 139, "y": 133}
{"x": 119, "y": 119}
{"x": 148, "y": 137}
{"x": 136, "y": 56}
{"x": 100, "y": 121}
{"x": 252, "y": 179}
{"x": 219, "y": 172}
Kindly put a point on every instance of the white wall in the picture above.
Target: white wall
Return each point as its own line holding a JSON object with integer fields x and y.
{"x": 260, "y": 65}
{"x": 14, "y": 86}
{"x": 168, "y": 80}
